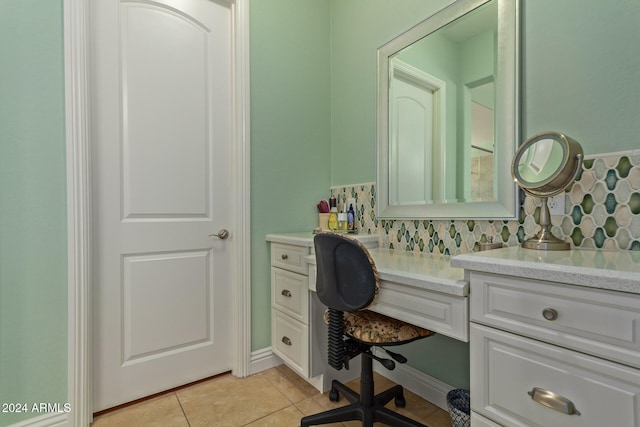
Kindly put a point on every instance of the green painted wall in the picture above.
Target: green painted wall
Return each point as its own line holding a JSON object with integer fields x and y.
{"x": 582, "y": 71}
{"x": 33, "y": 263}
{"x": 290, "y": 133}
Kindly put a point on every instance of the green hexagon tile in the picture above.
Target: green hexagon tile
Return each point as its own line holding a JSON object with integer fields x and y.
{"x": 602, "y": 210}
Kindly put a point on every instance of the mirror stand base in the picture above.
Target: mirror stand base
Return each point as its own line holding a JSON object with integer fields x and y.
{"x": 545, "y": 241}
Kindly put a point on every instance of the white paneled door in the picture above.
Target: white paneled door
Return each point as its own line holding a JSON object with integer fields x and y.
{"x": 161, "y": 132}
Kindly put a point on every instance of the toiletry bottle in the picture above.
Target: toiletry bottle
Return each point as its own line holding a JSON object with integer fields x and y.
{"x": 333, "y": 214}
{"x": 351, "y": 219}
{"x": 342, "y": 221}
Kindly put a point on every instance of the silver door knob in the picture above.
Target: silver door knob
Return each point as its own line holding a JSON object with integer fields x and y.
{"x": 222, "y": 234}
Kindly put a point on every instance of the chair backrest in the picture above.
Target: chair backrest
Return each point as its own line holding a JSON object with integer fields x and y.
{"x": 347, "y": 279}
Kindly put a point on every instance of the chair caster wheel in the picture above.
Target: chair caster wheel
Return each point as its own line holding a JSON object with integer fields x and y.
{"x": 400, "y": 402}
{"x": 334, "y": 395}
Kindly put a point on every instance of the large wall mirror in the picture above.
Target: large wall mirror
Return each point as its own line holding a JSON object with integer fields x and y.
{"x": 448, "y": 114}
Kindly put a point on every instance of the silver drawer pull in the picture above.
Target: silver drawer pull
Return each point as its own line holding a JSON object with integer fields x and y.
{"x": 553, "y": 401}
{"x": 550, "y": 314}
{"x": 285, "y": 257}
{"x": 286, "y": 340}
{"x": 286, "y": 293}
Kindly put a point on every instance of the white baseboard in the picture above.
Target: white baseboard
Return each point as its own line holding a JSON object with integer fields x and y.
{"x": 263, "y": 359}
{"x": 424, "y": 385}
{"x": 46, "y": 420}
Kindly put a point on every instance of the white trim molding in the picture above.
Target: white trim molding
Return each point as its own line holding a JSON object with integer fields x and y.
{"x": 78, "y": 210}
{"x": 46, "y": 420}
{"x": 78, "y": 146}
{"x": 264, "y": 359}
{"x": 242, "y": 173}
{"x": 427, "y": 387}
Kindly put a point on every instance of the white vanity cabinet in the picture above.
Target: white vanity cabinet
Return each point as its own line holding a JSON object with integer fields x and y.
{"x": 298, "y": 335}
{"x": 290, "y": 305}
{"x": 554, "y": 338}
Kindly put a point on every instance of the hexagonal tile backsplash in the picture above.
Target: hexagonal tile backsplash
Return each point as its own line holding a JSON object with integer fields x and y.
{"x": 602, "y": 210}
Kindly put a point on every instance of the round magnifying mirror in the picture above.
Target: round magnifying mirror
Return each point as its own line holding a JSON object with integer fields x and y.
{"x": 545, "y": 165}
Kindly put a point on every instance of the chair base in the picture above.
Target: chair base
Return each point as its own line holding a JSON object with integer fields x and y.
{"x": 364, "y": 406}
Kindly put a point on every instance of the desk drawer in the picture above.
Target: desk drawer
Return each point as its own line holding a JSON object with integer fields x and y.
{"x": 290, "y": 293}
{"x": 289, "y": 257}
{"x": 441, "y": 313}
{"x": 602, "y": 323}
{"x": 506, "y": 367}
{"x": 290, "y": 340}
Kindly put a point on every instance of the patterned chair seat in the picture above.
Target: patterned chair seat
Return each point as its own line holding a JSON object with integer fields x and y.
{"x": 374, "y": 328}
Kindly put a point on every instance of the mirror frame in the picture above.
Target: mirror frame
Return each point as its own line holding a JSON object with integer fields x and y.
{"x": 507, "y": 118}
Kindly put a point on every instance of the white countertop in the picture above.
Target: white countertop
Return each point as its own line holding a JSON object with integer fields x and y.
{"x": 306, "y": 238}
{"x": 610, "y": 270}
{"x": 425, "y": 270}
{"x": 431, "y": 272}
{"x": 421, "y": 289}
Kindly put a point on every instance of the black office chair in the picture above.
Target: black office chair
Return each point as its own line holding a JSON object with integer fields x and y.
{"x": 347, "y": 283}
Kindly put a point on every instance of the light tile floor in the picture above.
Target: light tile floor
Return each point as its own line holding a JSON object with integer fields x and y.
{"x": 276, "y": 397}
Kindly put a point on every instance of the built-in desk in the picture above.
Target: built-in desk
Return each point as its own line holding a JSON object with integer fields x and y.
{"x": 553, "y": 335}
{"x": 422, "y": 289}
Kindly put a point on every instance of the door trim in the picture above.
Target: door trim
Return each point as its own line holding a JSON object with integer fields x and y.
{"x": 79, "y": 238}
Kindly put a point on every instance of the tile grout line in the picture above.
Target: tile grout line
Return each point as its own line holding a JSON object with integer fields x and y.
{"x": 274, "y": 412}
{"x": 278, "y": 390}
{"x": 291, "y": 403}
{"x": 182, "y": 409}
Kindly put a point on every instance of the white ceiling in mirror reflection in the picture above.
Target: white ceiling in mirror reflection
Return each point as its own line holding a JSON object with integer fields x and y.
{"x": 482, "y": 19}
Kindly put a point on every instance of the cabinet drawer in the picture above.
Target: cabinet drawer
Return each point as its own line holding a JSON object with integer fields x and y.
{"x": 602, "y": 323}
{"x": 441, "y": 313}
{"x": 289, "y": 257}
{"x": 505, "y": 368}
{"x": 290, "y": 341}
{"x": 290, "y": 293}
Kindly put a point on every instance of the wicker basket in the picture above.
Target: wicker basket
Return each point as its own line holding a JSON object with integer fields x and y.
{"x": 459, "y": 403}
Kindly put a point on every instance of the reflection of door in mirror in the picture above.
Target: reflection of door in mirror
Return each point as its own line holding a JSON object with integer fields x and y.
{"x": 482, "y": 143}
{"x": 417, "y": 102}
